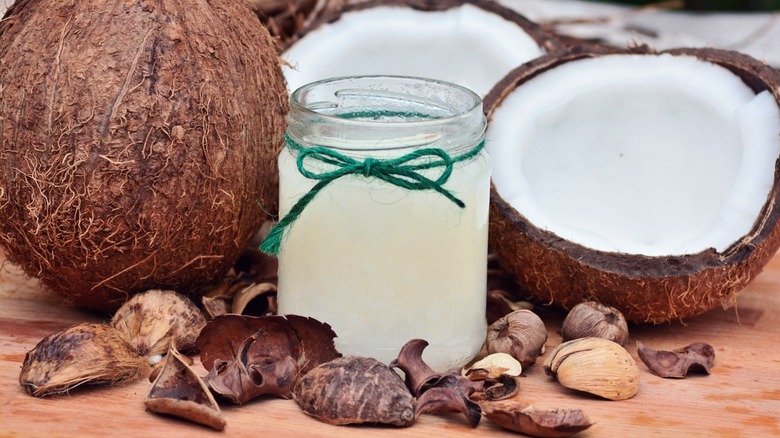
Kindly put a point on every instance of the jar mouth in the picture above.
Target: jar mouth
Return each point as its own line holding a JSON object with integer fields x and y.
{"x": 386, "y": 88}
{"x": 384, "y": 112}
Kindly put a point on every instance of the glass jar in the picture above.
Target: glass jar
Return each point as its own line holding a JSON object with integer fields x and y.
{"x": 385, "y": 262}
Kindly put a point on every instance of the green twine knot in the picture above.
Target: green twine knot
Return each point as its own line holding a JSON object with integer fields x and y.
{"x": 402, "y": 172}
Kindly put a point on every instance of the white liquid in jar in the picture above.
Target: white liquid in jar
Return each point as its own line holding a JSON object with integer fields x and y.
{"x": 383, "y": 265}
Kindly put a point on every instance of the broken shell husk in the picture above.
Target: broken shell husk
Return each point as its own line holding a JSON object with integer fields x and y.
{"x": 676, "y": 364}
{"x": 178, "y": 391}
{"x": 81, "y": 354}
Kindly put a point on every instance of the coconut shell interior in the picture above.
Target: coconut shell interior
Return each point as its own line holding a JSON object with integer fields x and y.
{"x": 645, "y": 288}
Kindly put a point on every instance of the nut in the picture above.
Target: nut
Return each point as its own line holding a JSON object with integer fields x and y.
{"x": 354, "y": 390}
{"x": 151, "y": 320}
{"x": 521, "y": 334}
{"x": 592, "y": 319}
{"x": 596, "y": 366}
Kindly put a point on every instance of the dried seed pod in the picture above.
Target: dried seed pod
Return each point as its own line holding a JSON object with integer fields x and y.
{"x": 592, "y": 319}
{"x": 354, "y": 390}
{"x": 520, "y": 334}
{"x": 81, "y": 354}
{"x": 596, "y": 366}
{"x": 179, "y": 391}
{"x": 677, "y": 363}
{"x": 500, "y": 304}
{"x": 260, "y": 292}
{"x": 152, "y": 320}
{"x": 418, "y": 375}
{"x": 254, "y": 371}
{"x": 493, "y": 366}
{"x": 537, "y": 422}
{"x": 505, "y": 387}
{"x": 442, "y": 399}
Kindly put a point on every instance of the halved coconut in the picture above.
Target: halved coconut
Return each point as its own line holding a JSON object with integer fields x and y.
{"x": 471, "y": 43}
{"x": 646, "y": 181}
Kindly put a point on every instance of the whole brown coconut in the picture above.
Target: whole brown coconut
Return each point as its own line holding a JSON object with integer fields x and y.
{"x": 138, "y": 142}
{"x": 645, "y": 288}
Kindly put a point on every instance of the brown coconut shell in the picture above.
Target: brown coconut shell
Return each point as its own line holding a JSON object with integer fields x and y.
{"x": 138, "y": 142}
{"x": 646, "y": 289}
{"x": 546, "y": 39}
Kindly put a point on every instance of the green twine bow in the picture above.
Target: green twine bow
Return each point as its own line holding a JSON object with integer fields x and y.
{"x": 402, "y": 172}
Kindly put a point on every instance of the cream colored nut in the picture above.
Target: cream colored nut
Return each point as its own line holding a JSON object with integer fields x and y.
{"x": 491, "y": 367}
{"x": 596, "y": 366}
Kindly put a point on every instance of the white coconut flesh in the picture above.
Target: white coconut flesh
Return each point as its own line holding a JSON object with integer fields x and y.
{"x": 465, "y": 45}
{"x": 652, "y": 155}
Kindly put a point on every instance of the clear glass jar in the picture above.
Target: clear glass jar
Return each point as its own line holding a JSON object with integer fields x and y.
{"x": 384, "y": 264}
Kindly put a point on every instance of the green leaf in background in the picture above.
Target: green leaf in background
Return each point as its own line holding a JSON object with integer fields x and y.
{"x": 718, "y": 5}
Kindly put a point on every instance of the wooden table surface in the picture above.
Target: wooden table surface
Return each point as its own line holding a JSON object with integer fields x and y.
{"x": 740, "y": 398}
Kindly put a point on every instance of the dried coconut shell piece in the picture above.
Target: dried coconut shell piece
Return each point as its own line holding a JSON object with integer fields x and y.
{"x": 537, "y": 422}
{"x": 152, "y": 320}
{"x": 677, "y": 363}
{"x": 81, "y": 354}
{"x": 178, "y": 391}
{"x": 355, "y": 390}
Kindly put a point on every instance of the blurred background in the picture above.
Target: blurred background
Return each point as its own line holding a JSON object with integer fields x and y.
{"x": 717, "y": 5}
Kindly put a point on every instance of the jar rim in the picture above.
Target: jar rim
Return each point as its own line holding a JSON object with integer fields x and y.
{"x": 298, "y": 105}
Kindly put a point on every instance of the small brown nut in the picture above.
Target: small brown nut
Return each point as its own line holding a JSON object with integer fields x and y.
{"x": 596, "y": 366}
{"x": 592, "y": 319}
{"x": 354, "y": 390}
{"x": 521, "y": 334}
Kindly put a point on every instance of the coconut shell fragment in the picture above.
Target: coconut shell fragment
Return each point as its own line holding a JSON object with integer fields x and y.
{"x": 645, "y": 288}
{"x": 138, "y": 142}
{"x": 81, "y": 354}
{"x": 178, "y": 391}
{"x": 536, "y": 422}
{"x": 355, "y": 390}
{"x": 676, "y": 364}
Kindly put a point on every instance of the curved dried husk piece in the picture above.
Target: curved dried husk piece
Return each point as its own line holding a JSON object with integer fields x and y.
{"x": 81, "y": 354}
{"x": 150, "y": 321}
{"x": 596, "y": 366}
{"x": 676, "y": 364}
{"x": 537, "y": 422}
{"x": 179, "y": 391}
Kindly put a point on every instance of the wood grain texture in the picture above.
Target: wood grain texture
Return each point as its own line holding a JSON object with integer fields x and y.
{"x": 741, "y": 398}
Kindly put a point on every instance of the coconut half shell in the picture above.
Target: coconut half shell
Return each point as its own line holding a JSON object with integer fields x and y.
{"x": 471, "y": 43}
{"x": 645, "y": 288}
{"x": 138, "y": 142}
